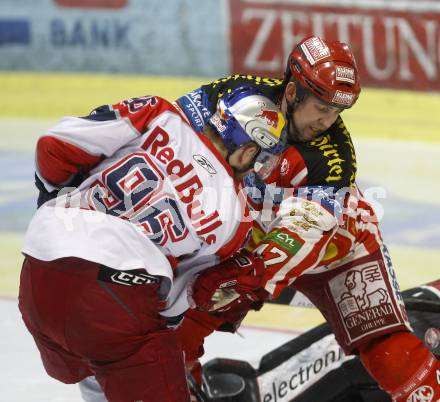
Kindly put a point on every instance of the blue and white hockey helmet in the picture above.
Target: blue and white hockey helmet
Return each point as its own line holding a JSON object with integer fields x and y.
{"x": 246, "y": 115}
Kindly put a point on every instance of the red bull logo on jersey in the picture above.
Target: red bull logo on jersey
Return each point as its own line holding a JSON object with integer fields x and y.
{"x": 187, "y": 183}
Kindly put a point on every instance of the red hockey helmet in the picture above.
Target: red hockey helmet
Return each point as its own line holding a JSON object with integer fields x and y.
{"x": 326, "y": 69}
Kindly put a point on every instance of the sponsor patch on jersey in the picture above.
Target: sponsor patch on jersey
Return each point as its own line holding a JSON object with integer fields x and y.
{"x": 337, "y": 166}
{"x": 315, "y": 50}
{"x": 343, "y": 98}
{"x": 195, "y": 106}
{"x": 345, "y": 74}
{"x": 285, "y": 241}
{"x": 363, "y": 301}
{"x": 325, "y": 196}
{"x": 205, "y": 164}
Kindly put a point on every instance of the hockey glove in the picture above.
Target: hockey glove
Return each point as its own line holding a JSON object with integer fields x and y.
{"x": 45, "y": 195}
{"x": 239, "y": 278}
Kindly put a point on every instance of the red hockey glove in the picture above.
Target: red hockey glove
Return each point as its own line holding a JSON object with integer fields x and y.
{"x": 240, "y": 277}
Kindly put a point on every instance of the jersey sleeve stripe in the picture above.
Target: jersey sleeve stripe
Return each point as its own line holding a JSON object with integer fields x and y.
{"x": 297, "y": 180}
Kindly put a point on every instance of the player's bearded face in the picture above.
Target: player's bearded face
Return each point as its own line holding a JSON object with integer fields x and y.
{"x": 311, "y": 118}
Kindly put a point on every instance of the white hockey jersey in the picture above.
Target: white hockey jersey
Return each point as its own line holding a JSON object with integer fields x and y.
{"x": 157, "y": 195}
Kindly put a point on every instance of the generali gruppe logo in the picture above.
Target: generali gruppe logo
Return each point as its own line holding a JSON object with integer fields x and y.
{"x": 363, "y": 300}
{"x": 92, "y": 3}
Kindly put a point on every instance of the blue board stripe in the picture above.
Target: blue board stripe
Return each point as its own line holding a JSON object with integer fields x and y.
{"x": 14, "y": 32}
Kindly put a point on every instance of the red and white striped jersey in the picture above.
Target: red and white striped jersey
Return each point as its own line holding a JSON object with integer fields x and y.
{"x": 156, "y": 194}
{"x": 309, "y": 237}
{"x": 292, "y": 171}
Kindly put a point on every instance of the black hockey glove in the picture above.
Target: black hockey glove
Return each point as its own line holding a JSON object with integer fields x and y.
{"x": 45, "y": 195}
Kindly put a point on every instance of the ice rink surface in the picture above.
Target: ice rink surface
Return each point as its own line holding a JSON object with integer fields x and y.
{"x": 23, "y": 378}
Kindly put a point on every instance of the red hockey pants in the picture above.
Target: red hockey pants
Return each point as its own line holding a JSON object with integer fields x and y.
{"x": 83, "y": 326}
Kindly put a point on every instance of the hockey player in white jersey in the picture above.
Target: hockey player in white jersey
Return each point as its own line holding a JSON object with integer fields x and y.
{"x": 155, "y": 198}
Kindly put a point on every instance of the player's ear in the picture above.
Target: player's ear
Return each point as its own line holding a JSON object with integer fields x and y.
{"x": 290, "y": 91}
{"x": 242, "y": 158}
{"x": 249, "y": 153}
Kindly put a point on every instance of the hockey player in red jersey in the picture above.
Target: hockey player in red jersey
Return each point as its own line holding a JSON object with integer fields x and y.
{"x": 320, "y": 82}
{"x": 318, "y": 73}
{"x": 156, "y": 199}
{"x": 328, "y": 247}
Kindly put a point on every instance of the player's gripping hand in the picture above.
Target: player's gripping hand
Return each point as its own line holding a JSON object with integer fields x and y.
{"x": 43, "y": 194}
{"x": 239, "y": 278}
{"x": 46, "y": 195}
